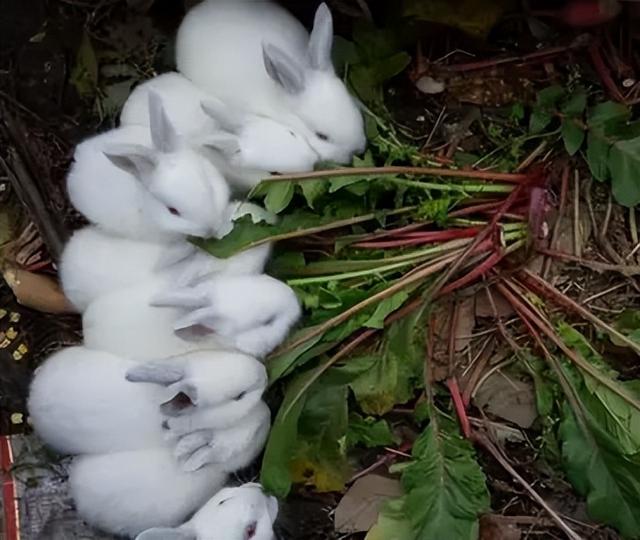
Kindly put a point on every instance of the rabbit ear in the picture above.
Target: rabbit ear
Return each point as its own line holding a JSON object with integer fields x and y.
{"x": 155, "y": 372}
{"x": 186, "y": 398}
{"x": 226, "y": 143}
{"x": 163, "y": 533}
{"x": 228, "y": 118}
{"x": 163, "y": 134}
{"x": 135, "y": 159}
{"x": 321, "y": 40}
{"x": 283, "y": 69}
{"x": 187, "y": 298}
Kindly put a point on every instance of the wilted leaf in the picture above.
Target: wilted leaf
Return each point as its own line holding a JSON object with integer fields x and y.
{"x": 359, "y": 508}
{"x": 497, "y": 527}
{"x": 84, "y": 75}
{"x": 509, "y": 398}
{"x": 624, "y": 164}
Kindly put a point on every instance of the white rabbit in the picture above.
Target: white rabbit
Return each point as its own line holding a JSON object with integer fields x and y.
{"x": 245, "y": 147}
{"x": 128, "y": 188}
{"x": 250, "y": 313}
{"x": 255, "y": 56}
{"x": 234, "y": 513}
{"x": 85, "y": 401}
{"x": 125, "y": 493}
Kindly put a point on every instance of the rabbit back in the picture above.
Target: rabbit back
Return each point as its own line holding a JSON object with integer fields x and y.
{"x": 125, "y": 493}
{"x": 80, "y": 402}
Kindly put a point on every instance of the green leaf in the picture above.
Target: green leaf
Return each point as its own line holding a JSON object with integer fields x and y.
{"x": 392, "y": 524}
{"x": 320, "y": 455}
{"x": 279, "y": 195}
{"x": 550, "y": 96}
{"x": 398, "y": 371}
{"x": 445, "y": 487}
{"x": 575, "y": 104}
{"x": 610, "y": 481}
{"x": 539, "y": 120}
{"x": 598, "y": 155}
{"x": 275, "y": 475}
{"x": 278, "y": 366}
{"x": 369, "y": 432}
{"x": 543, "y": 112}
{"x": 624, "y": 165}
{"x": 572, "y": 135}
{"x": 313, "y": 190}
{"x": 384, "y": 308}
{"x": 607, "y": 113}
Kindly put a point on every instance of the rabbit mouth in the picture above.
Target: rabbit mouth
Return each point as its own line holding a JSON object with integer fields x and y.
{"x": 250, "y": 530}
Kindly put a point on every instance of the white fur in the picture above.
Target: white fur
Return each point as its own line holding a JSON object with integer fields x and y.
{"x": 255, "y": 56}
{"x": 127, "y": 492}
{"x": 145, "y": 183}
{"x": 250, "y": 313}
{"x": 85, "y": 401}
{"x": 234, "y": 513}
{"x": 245, "y": 147}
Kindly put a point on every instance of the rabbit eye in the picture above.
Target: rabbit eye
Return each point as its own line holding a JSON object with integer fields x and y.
{"x": 222, "y": 502}
{"x": 240, "y": 396}
{"x": 292, "y": 134}
{"x": 322, "y": 136}
{"x": 173, "y": 211}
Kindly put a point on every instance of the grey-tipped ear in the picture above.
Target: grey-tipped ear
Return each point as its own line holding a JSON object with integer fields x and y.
{"x": 283, "y": 69}
{"x": 227, "y": 118}
{"x": 227, "y": 143}
{"x": 135, "y": 159}
{"x": 163, "y": 533}
{"x": 321, "y": 39}
{"x": 163, "y": 134}
{"x": 161, "y": 373}
{"x": 186, "y": 398}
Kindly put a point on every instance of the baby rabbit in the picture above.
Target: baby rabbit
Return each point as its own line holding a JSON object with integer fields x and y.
{"x": 235, "y": 513}
{"x": 255, "y": 56}
{"x": 86, "y": 401}
{"x": 245, "y": 147}
{"x": 145, "y": 183}
{"x": 125, "y": 493}
{"x": 250, "y": 313}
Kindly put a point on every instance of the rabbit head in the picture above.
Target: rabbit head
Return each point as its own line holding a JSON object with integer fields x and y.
{"x": 257, "y": 142}
{"x": 201, "y": 382}
{"x": 184, "y": 194}
{"x": 238, "y": 513}
{"x": 329, "y": 116}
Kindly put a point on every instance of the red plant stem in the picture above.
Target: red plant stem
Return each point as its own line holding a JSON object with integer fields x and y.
{"x": 512, "y": 178}
{"x": 477, "y": 272}
{"x": 604, "y": 73}
{"x": 425, "y": 237}
{"x": 458, "y": 404}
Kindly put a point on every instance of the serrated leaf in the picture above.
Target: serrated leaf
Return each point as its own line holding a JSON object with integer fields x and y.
{"x": 312, "y": 190}
{"x": 445, "y": 488}
{"x": 572, "y": 136}
{"x": 384, "y": 308}
{"x": 279, "y": 195}
{"x": 398, "y": 371}
{"x": 598, "y": 155}
{"x": 624, "y": 165}
{"x": 369, "y": 432}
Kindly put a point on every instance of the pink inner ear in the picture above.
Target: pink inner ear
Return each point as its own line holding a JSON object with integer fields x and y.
{"x": 194, "y": 332}
{"x": 250, "y": 531}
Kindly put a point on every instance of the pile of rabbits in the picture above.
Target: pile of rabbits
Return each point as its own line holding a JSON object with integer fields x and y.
{"x": 164, "y": 398}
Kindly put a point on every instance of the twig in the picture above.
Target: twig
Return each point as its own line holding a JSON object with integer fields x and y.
{"x": 564, "y": 188}
{"x": 513, "y": 178}
{"x": 624, "y": 269}
{"x": 577, "y": 247}
{"x": 482, "y": 440}
{"x": 633, "y": 228}
{"x": 532, "y": 156}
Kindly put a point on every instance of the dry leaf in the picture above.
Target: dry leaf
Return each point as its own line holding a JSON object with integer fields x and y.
{"x": 37, "y": 291}
{"x": 494, "y": 527}
{"x": 484, "y": 309}
{"x": 358, "y": 510}
{"x": 509, "y": 398}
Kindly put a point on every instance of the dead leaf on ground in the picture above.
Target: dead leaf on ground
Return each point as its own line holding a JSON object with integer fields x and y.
{"x": 509, "y": 398}
{"x": 564, "y": 240}
{"x": 37, "y": 291}
{"x": 358, "y": 510}
{"x": 493, "y": 527}
{"x": 484, "y": 309}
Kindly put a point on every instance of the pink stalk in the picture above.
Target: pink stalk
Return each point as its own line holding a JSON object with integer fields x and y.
{"x": 476, "y": 273}
{"x": 458, "y": 404}
{"x": 426, "y": 237}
